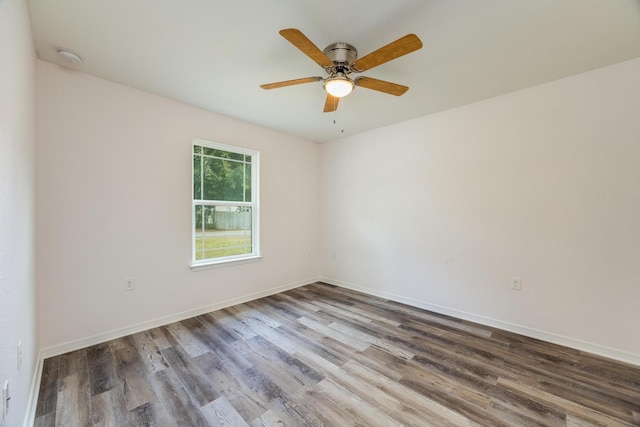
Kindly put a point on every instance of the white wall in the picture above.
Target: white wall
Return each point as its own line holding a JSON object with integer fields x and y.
{"x": 17, "y": 197}
{"x": 440, "y": 211}
{"x": 542, "y": 184}
{"x": 114, "y": 201}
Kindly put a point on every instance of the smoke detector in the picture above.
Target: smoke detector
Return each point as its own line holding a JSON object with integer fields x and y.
{"x": 69, "y": 57}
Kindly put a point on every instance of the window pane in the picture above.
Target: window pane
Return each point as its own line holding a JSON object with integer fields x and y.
{"x": 198, "y": 218}
{"x": 198, "y": 235}
{"x": 224, "y": 252}
{"x": 247, "y": 181}
{"x": 209, "y": 218}
{"x": 223, "y": 180}
{"x": 197, "y": 180}
{"x": 221, "y": 153}
{"x": 227, "y": 232}
{"x": 199, "y": 252}
{"x": 209, "y": 151}
{"x": 197, "y": 149}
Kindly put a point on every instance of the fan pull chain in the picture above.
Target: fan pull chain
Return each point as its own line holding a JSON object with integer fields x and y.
{"x": 342, "y": 114}
{"x": 341, "y": 121}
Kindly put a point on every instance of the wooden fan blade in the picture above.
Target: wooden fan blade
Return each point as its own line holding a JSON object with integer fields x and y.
{"x": 331, "y": 103}
{"x": 381, "y": 86}
{"x": 301, "y": 41}
{"x": 393, "y": 50}
{"x": 290, "y": 82}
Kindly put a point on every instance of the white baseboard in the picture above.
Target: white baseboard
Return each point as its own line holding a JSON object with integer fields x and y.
{"x": 576, "y": 344}
{"x": 139, "y": 327}
{"x": 30, "y": 415}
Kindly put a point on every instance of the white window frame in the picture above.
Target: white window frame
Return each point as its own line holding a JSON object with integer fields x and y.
{"x": 254, "y": 204}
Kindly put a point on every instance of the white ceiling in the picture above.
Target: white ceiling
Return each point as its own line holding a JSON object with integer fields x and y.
{"x": 214, "y": 54}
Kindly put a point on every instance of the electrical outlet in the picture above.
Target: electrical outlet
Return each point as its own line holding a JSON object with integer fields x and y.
{"x": 129, "y": 284}
{"x": 516, "y": 283}
{"x": 5, "y": 399}
{"x": 19, "y": 354}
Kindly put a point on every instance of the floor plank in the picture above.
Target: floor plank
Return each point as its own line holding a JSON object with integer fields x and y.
{"x": 320, "y": 355}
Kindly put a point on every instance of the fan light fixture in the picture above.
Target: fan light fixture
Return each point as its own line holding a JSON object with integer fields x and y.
{"x": 338, "y": 86}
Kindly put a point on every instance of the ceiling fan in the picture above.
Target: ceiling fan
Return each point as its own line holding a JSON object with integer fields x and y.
{"x": 340, "y": 60}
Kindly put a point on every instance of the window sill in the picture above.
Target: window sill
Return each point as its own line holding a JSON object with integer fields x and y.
{"x": 225, "y": 263}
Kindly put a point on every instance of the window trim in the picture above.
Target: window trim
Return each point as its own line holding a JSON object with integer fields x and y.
{"x": 197, "y": 265}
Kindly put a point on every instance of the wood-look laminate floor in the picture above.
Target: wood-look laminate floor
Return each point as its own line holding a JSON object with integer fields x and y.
{"x": 325, "y": 356}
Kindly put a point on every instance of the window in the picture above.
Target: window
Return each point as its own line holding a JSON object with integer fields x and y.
{"x": 225, "y": 203}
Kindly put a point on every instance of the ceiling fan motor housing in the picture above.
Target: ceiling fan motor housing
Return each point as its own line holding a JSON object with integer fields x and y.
{"x": 342, "y": 55}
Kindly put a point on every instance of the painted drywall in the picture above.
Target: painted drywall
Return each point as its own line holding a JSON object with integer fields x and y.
{"x": 114, "y": 201}
{"x": 440, "y": 211}
{"x": 17, "y": 207}
{"x": 541, "y": 184}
